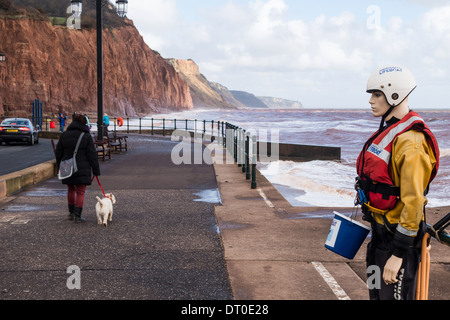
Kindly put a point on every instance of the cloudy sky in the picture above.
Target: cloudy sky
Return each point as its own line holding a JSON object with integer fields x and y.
{"x": 320, "y": 52}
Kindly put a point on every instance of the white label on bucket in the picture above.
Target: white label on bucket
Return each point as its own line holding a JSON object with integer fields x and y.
{"x": 334, "y": 230}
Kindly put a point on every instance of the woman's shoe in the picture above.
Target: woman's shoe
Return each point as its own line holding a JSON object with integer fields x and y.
{"x": 71, "y": 215}
{"x": 78, "y": 218}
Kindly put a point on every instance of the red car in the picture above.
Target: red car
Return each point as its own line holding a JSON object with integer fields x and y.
{"x": 18, "y": 130}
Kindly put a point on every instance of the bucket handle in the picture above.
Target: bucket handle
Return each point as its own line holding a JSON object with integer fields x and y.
{"x": 354, "y": 213}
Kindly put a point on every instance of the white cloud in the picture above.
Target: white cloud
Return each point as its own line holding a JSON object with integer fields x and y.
{"x": 157, "y": 14}
{"x": 435, "y": 37}
{"x": 153, "y": 19}
{"x": 436, "y": 21}
{"x": 429, "y": 3}
{"x": 269, "y": 16}
{"x": 268, "y": 40}
{"x": 246, "y": 44}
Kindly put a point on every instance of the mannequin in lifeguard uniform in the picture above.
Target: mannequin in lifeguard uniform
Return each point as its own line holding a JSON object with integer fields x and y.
{"x": 395, "y": 168}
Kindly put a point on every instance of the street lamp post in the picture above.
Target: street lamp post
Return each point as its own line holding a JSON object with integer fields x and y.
{"x": 121, "y": 9}
{"x": 99, "y": 70}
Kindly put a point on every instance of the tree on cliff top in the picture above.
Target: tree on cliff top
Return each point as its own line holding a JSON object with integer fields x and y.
{"x": 5, "y": 5}
{"x": 58, "y": 8}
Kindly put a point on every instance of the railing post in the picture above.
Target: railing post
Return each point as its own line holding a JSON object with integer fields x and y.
{"x": 152, "y": 127}
{"x": 230, "y": 140}
{"x": 224, "y": 128}
{"x": 128, "y": 125}
{"x": 254, "y": 159}
{"x": 223, "y": 135}
{"x": 229, "y": 133}
{"x": 243, "y": 150}
{"x": 164, "y": 127}
{"x": 238, "y": 146}
{"x": 244, "y": 168}
{"x": 220, "y": 132}
{"x": 228, "y": 136}
{"x": 140, "y": 126}
{"x": 218, "y": 138}
{"x": 247, "y": 157}
{"x": 235, "y": 144}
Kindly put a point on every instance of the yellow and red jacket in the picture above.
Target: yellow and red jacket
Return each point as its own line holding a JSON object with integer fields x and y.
{"x": 396, "y": 167}
{"x": 373, "y": 162}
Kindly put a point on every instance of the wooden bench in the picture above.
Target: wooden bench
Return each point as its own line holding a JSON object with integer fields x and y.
{"x": 117, "y": 142}
{"x": 113, "y": 143}
{"x": 123, "y": 140}
{"x": 102, "y": 147}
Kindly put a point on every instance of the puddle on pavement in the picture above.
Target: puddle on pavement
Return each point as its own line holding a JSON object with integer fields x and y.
{"x": 21, "y": 208}
{"x": 208, "y": 196}
{"x": 28, "y": 208}
{"x": 46, "y": 192}
{"x": 322, "y": 214}
{"x": 231, "y": 225}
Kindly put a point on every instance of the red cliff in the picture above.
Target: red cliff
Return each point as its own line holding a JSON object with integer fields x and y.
{"x": 202, "y": 91}
{"x": 58, "y": 66}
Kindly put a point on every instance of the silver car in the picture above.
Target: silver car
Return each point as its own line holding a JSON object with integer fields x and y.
{"x": 18, "y": 130}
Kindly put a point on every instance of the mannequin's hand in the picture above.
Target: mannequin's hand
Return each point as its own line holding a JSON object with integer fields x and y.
{"x": 391, "y": 270}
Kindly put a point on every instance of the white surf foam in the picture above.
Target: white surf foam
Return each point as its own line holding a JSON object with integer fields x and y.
{"x": 319, "y": 183}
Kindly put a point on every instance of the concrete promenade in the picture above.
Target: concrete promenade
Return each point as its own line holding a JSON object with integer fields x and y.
{"x": 161, "y": 245}
{"x": 174, "y": 238}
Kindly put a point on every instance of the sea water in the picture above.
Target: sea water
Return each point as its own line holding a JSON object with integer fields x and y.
{"x": 325, "y": 183}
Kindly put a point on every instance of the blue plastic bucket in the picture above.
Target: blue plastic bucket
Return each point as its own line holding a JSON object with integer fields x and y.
{"x": 346, "y": 236}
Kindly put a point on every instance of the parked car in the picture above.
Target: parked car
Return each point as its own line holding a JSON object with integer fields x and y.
{"x": 18, "y": 130}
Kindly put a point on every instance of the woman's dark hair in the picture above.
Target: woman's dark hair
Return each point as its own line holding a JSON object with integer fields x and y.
{"x": 79, "y": 118}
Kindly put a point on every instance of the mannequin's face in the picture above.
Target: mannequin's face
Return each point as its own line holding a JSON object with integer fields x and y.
{"x": 379, "y": 104}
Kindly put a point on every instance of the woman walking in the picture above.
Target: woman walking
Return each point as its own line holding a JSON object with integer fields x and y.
{"x": 87, "y": 163}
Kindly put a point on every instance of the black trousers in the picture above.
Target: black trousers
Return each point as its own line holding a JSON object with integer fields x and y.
{"x": 379, "y": 250}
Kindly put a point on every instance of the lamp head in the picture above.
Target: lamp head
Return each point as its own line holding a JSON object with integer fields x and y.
{"x": 122, "y": 8}
{"x": 76, "y": 6}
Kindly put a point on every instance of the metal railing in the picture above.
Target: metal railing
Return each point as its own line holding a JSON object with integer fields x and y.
{"x": 243, "y": 147}
{"x": 146, "y": 125}
{"x": 240, "y": 144}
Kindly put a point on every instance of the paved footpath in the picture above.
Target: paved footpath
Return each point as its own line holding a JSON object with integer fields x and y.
{"x": 174, "y": 238}
{"x": 162, "y": 242}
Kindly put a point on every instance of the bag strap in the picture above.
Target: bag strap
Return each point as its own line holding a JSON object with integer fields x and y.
{"x": 78, "y": 144}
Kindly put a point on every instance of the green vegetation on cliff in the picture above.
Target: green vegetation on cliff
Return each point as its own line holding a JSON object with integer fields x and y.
{"x": 56, "y": 11}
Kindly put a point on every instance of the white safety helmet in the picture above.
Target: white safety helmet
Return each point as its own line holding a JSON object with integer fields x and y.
{"x": 396, "y": 83}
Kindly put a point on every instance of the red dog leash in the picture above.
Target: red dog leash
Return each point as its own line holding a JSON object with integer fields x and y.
{"x": 100, "y": 185}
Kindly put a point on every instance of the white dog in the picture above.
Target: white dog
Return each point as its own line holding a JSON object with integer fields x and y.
{"x": 104, "y": 208}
